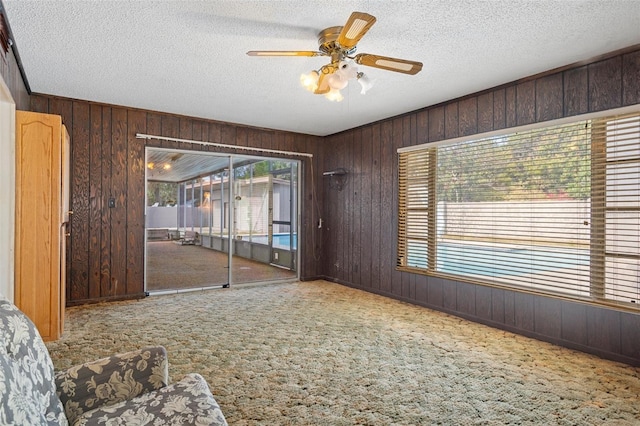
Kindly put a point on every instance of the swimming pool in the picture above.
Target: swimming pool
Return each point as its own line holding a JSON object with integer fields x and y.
{"x": 279, "y": 240}
{"x": 467, "y": 259}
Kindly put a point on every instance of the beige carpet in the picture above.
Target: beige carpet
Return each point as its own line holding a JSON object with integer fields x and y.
{"x": 318, "y": 353}
{"x": 171, "y": 266}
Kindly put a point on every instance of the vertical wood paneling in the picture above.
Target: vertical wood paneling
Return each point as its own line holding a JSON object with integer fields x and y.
{"x": 228, "y": 134}
{"x": 39, "y": 104}
{"x": 136, "y": 123}
{"x": 436, "y": 124}
{"x": 510, "y": 106}
{"x": 396, "y": 276}
{"x": 526, "y": 103}
{"x": 408, "y": 282}
{"x": 311, "y": 175}
{"x": 170, "y": 127}
{"x": 449, "y": 295}
{"x": 483, "y": 302}
{"x": 342, "y": 214}
{"x": 509, "y": 308}
{"x": 154, "y": 124}
{"x": 574, "y": 323}
{"x": 242, "y": 137}
{"x": 576, "y": 91}
{"x": 186, "y": 130}
{"x": 347, "y": 213}
{"x": 119, "y": 138}
{"x": 466, "y": 298}
{"x": 332, "y": 214}
{"x": 605, "y": 84}
{"x": 366, "y": 206}
{"x": 386, "y": 206}
{"x": 105, "y": 223}
{"x": 451, "y": 123}
{"x": 549, "y": 97}
{"x": 288, "y": 142}
{"x": 548, "y": 317}
{"x": 524, "y": 311}
{"x": 254, "y": 139}
{"x": 356, "y": 208}
{"x": 376, "y": 200}
{"x": 422, "y": 127}
{"x": 214, "y": 133}
{"x": 630, "y": 336}
{"x": 499, "y": 109}
{"x": 485, "y": 112}
{"x": 197, "y": 131}
{"x": 468, "y": 116}
{"x": 603, "y": 329}
{"x": 435, "y": 293}
{"x": 630, "y": 78}
{"x": 497, "y": 305}
{"x": 95, "y": 201}
{"x": 421, "y": 288}
{"x": 79, "y": 202}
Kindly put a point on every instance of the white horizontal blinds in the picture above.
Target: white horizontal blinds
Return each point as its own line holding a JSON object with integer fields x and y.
{"x": 617, "y": 186}
{"x": 514, "y": 209}
{"x": 555, "y": 209}
{"x": 415, "y": 216}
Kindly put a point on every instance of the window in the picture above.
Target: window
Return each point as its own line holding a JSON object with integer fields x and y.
{"x": 553, "y": 210}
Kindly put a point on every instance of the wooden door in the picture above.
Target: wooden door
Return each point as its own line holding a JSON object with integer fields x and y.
{"x": 38, "y": 286}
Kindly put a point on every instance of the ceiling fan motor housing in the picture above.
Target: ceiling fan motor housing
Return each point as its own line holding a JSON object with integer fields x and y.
{"x": 327, "y": 41}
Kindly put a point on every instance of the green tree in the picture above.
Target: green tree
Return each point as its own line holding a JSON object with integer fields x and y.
{"x": 163, "y": 193}
{"x": 549, "y": 164}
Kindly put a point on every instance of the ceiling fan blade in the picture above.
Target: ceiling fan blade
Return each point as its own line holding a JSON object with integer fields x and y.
{"x": 387, "y": 63}
{"x": 284, "y": 53}
{"x": 357, "y": 26}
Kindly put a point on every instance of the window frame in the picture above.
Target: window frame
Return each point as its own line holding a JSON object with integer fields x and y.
{"x": 597, "y": 226}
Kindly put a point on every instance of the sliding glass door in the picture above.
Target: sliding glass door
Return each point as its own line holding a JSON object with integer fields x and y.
{"x": 214, "y": 220}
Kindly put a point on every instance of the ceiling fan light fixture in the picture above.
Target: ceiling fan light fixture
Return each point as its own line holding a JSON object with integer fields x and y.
{"x": 310, "y": 81}
{"x": 337, "y": 82}
{"x": 339, "y": 43}
{"x": 334, "y": 95}
{"x": 365, "y": 82}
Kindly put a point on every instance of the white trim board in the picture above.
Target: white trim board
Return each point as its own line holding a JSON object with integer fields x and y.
{"x": 7, "y": 190}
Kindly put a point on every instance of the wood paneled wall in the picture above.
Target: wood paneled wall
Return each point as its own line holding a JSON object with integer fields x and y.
{"x": 106, "y": 247}
{"x": 10, "y": 72}
{"x": 357, "y": 243}
{"x": 360, "y": 235}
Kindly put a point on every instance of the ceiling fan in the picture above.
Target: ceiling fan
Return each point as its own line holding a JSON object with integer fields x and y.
{"x": 339, "y": 43}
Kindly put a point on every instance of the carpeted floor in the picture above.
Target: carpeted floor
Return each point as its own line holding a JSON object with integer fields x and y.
{"x": 317, "y": 353}
{"x": 171, "y": 266}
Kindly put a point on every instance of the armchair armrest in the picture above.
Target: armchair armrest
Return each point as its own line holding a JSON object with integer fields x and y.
{"x": 111, "y": 380}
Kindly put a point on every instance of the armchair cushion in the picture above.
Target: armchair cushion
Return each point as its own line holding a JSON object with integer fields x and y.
{"x": 188, "y": 401}
{"x": 27, "y": 390}
{"x": 111, "y": 380}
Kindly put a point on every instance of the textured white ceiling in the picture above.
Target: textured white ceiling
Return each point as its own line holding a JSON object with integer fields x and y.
{"x": 188, "y": 57}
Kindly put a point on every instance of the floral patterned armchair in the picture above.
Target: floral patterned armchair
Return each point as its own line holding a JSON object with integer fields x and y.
{"x": 125, "y": 389}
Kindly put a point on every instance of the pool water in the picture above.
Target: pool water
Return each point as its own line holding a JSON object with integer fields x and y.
{"x": 279, "y": 240}
{"x": 465, "y": 259}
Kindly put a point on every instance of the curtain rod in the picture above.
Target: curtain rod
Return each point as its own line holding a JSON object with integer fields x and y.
{"x": 222, "y": 145}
